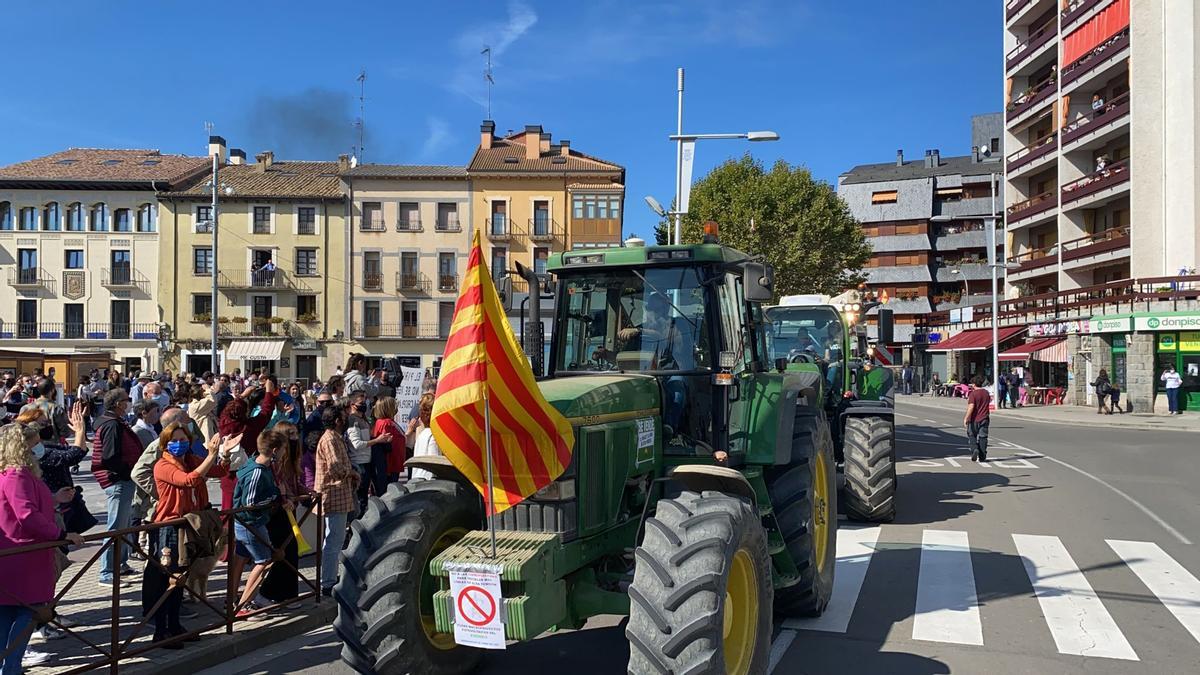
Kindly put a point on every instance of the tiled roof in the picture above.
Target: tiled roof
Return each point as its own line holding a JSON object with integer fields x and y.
{"x": 508, "y": 154}
{"x": 96, "y": 164}
{"x": 318, "y": 180}
{"x": 595, "y": 186}
{"x": 406, "y": 171}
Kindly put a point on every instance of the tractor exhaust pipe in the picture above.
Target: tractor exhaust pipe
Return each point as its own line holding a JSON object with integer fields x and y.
{"x": 533, "y": 338}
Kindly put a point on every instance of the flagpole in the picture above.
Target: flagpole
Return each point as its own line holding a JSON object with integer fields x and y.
{"x": 491, "y": 494}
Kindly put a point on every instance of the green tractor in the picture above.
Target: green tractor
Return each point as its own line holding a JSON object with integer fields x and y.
{"x": 700, "y": 499}
{"x": 809, "y": 333}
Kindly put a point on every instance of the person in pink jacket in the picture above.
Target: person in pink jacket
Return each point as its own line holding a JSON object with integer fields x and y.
{"x": 26, "y": 517}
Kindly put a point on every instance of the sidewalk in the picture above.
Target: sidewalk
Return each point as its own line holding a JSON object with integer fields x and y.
{"x": 1072, "y": 415}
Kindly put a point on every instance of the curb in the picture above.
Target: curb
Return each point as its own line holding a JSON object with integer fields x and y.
{"x": 1132, "y": 425}
{"x": 219, "y": 648}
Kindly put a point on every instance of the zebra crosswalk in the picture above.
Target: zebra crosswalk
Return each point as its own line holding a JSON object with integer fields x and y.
{"x": 946, "y": 607}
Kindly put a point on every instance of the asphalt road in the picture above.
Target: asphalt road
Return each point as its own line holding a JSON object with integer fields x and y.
{"x": 1073, "y": 549}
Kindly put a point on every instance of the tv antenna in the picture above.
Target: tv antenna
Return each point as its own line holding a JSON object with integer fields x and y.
{"x": 487, "y": 75}
{"x": 362, "y": 97}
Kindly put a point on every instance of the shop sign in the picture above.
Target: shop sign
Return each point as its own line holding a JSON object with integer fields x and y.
{"x": 1189, "y": 341}
{"x": 1167, "y": 322}
{"x": 935, "y": 338}
{"x": 968, "y": 314}
{"x": 1107, "y": 325}
{"x": 1052, "y": 329}
{"x": 956, "y": 316}
{"x": 1166, "y": 342}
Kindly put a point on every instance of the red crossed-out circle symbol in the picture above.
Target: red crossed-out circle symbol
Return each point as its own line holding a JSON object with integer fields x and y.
{"x": 475, "y": 602}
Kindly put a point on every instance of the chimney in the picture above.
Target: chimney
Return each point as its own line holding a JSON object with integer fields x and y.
{"x": 216, "y": 146}
{"x": 935, "y": 158}
{"x": 487, "y": 132}
{"x": 533, "y": 141}
{"x": 928, "y": 159}
{"x": 265, "y": 159}
{"x": 564, "y": 147}
{"x": 544, "y": 143}
{"x": 237, "y": 156}
{"x": 343, "y": 163}
{"x": 900, "y": 157}
{"x": 974, "y": 155}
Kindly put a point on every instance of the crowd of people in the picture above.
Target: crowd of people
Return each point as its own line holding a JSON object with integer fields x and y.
{"x": 155, "y": 441}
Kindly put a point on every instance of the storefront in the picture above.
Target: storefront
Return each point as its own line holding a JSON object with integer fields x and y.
{"x": 1041, "y": 362}
{"x": 1176, "y": 344}
{"x": 969, "y": 353}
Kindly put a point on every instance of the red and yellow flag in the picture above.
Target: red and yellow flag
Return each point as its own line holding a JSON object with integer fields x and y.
{"x": 531, "y": 441}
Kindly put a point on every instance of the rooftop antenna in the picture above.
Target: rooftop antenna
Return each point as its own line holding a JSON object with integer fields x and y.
{"x": 208, "y": 132}
{"x": 487, "y": 75}
{"x": 362, "y": 97}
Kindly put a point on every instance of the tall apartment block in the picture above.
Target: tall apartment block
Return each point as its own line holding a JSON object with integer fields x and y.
{"x": 925, "y": 219}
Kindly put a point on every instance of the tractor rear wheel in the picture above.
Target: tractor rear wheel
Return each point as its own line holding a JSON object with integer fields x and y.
{"x": 869, "y": 493}
{"x": 701, "y": 599}
{"x": 803, "y": 495}
{"x": 385, "y": 593}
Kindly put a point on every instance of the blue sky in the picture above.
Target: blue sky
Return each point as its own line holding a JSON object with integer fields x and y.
{"x": 843, "y": 83}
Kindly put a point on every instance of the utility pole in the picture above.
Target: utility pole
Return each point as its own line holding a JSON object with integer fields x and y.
{"x": 215, "y": 364}
{"x": 362, "y": 96}
{"x": 679, "y": 164}
{"x": 487, "y": 75}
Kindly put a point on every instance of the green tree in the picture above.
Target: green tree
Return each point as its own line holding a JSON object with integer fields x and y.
{"x": 798, "y": 224}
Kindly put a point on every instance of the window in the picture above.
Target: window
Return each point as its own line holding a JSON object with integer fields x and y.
{"x": 6, "y": 222}
{"x": 499, "y": 262}
{"x": 448, "y": 217}
{"x": 949, "y": 194}
{"x": 202, "y": 261}
{"x": 306, "y": 220}
{"x": 541, "y": 218}
{"x": 99, "y": 218}
{"x": 995, "y": 144}
{"x": 306, "y": 262}
{"x": 410, "y": 217}
{"x": 499, "y": 222}
{"x": 73, "y": 259}
{"x": 145, "y": 218}
{"x": 885, "y": 197}
{"x": 539, "y": 260}
{"x": 27, "y": 266}
{"x": 73, "y": 321}
{"x": 75, "y": 217}
{"x": 408, "y": 319}
{"x": 204, "y": 218}
{"x": 50, "y": 221}
{"x": 447, "y": 272}
{"x": 26, "y": 318}
{"x": 445, "y": 318}
{"x": 28, "y": 219}
{"x": 121, "y": 269}
{"x": 371, "y": 318}
{"x": 202, "y": 307}
{"x": 306, "y": 308}
{"x": 593, "y": 207}
{"x": 372, "y": 216}
{"x": 121, "y": 220}
{"x": 262, "y": 220}
{"x": 409, "y": 270}
{"x": 372, "y": 271}
{"x": 261, "y": 310}
{"x": 120, "y": 329}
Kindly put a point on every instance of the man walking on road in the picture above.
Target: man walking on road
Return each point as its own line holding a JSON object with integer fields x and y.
{"x": 906, "y": 376}
{"x": 1173, "y": 382}
{"x": 977, "y": 419}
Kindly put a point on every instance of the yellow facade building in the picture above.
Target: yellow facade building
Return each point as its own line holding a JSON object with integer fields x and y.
{"x": 281, "y": 266}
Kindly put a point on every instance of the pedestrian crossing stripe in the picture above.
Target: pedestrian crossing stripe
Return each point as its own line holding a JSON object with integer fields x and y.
{"x": 947, "y": 610}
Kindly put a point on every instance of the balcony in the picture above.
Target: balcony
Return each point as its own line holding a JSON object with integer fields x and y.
{"x": 449, "y": 224}
{"x": 974, "y": 207}
{"x": 894, "y": 274}
{"x": 971, "y": 270}
{"x": 1094, "y": 125}
{"x": 1033, "y": 98}
{"x": 1101, "y": 54}
{"x": 119, "y": 330}
{"x": 1014, "y": 7}
{"x": 372, "y": 281}
{"x": 1033, "y": 259}
{"x": 1027, "y": 50}
{"x": 258, "y": 326}
{"x": 117, "y": 277}
{"x": 947, "y": 301}
{"x": 409, "y": 225}
{"x": 1095, "y": 188}
{"x": 1027, "y": 209}
{"x": 952, "y": 239}
{"x": 1025, "y": 157}
{"x": 29, "y": 277}
{"x": 407, "y": 331}
{"x": 448, "y": 282}
{"x": 1096, "y": 249}
{"x": 497, "y": 228}
{"x": 1077, "y": 10}
{"x": 412, "y": 282}
{"x": 899, "y": 242}
{"x": 256, "y": 280}
{"x": 203, "y": 227}
{"x": 543, "y": 229}
{"x": 373, "y": 224}
{"x": 23, "y": 330}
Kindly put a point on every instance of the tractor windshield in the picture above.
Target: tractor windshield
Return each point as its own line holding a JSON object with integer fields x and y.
{"x": 816, "y": 331}
{"x": 632, "y": 320}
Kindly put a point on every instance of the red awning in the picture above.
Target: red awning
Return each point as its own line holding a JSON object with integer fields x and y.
{"x": 1029, "y": 349}
{"x": 1055, "y": 353}
{"x": 974, "y": 339}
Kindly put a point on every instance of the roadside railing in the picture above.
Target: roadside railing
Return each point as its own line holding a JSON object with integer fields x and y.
{"x": 121, "y": 635}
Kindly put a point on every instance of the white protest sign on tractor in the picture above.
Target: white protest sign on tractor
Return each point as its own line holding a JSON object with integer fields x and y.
{"x": 478, "y": 605}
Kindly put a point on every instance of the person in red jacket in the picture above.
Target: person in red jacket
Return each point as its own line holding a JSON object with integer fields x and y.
{"x": 115, "y": 450}
{"x": 387, "y": 461}
{"x": 239, "y": 417}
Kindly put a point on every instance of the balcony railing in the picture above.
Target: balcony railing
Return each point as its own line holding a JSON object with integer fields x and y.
{"x": 411, "y": 331}
{"x": 1076, "y": 9}
{"x": 374, "y": 224}
{"x": 1108, "y": 177}
{"x": 372, "y": 281}
{"x": 204, "y": 227}
{"x": 117, "y": 277}
{"x": 255, "y": 279}
{"x": 543, "y": 229}
{"x": 498, "y": 227}
{"x": 25, "y": 330}
{"x": 1012, "y": 7}
{"x": 1035, "y": 258}
{"x": 120, "y": 330}
{"x": 1110, "y": 112}
{"x": 1036, "y": 39}
{"x": 1030, "y": 153}
{"x": 449, "y": 224}
{"x": 1112, "y": 239}
{"x": 409, "y": 225}
{"x": 28, "y": 277}
{"x": 413, "y": 282}
{"x": 447, "y": 282}
{"x": 1031, "y": 206}
{"x": 260, "y": 326}
{"x": 1099, "y": 55}
{"x": 1031, "y": 98}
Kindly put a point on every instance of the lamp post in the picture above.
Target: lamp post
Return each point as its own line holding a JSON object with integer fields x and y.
{"x": 215, "y": 187}
{"x": 681, "y": 139}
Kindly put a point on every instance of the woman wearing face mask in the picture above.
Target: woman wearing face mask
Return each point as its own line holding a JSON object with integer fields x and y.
{"x": 362, "y": 446}
{"x": 180, "y": 479}
{"x": 336, "y": 481}
{"x": 280, "y": 584}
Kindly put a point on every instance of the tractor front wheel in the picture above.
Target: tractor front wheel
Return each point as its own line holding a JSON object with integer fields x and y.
{"x": 385, "y": 593}
{"x": 701, "y": 599}
{"x": 869, "y": 493}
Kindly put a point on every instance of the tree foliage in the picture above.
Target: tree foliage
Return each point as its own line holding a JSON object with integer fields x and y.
{"x": 800, "y": 225}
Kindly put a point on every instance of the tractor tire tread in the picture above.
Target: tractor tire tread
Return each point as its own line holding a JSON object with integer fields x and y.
{"x": 870, "y": 469}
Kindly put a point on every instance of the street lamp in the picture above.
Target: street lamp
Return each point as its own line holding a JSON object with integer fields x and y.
{"x": 681, "y": 139}
{"x": 212, "y": 186}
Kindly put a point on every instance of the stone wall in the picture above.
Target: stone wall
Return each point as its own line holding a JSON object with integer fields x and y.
{"x": 1077, "y": 387}
{"x": 1139, "y": 372}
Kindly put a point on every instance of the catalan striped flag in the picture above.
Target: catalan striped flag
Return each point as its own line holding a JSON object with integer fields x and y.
{"x": 483, "y": 365}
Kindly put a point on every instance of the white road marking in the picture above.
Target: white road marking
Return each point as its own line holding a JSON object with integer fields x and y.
{"x": 910, "y": 417}
{"x": 779, "y": 648}
{"x": 934, "y": 421}
{"x": 1074, "y": 613}
{"x": 947, "y": 608}
{"x": 854, "y": 549}
{"x": 1173, "y": 585}
{"x": 925, "y": 442}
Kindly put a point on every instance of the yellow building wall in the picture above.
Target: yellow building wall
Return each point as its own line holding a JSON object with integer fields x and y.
{"x": 519, "y": 194}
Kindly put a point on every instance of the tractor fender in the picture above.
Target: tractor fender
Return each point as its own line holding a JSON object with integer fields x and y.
{"x": 854, "y": 408}
{"x": 799, "y": 389}
{"x": 701, "y": 477}
{"x": 439, "y": 466}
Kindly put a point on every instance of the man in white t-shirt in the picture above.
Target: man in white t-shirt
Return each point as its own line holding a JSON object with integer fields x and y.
{"x": 1173, "y": 382}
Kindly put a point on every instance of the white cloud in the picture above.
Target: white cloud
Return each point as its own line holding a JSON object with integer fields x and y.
{"x": 436, "y": 140}
{"x": 467, "y": 78}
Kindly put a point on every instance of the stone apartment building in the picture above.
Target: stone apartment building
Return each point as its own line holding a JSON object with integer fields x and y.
{"x": 79, "y": 244}
{"x": 290, "y": 320}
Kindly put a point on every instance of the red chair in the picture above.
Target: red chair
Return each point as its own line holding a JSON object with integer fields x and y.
{"x": 1056, "y": 396}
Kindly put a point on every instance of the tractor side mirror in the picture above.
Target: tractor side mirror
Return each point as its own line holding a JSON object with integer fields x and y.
{"x": 758, "y": 279}
{"x": 886, "y": 326}
{"x": 781, "y": 363}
